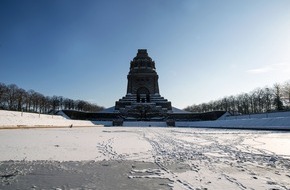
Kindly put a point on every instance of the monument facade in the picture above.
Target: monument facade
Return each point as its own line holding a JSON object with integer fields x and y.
{"x": 143, "y": 101}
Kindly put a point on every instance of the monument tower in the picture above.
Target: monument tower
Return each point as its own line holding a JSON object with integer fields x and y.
{"x": 143, "y": 100}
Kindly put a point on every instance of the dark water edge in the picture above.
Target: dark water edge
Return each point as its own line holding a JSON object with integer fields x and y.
{"x": 77, "y": 175}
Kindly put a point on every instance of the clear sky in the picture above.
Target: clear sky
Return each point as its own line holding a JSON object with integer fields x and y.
{"x": 203, "y": 49}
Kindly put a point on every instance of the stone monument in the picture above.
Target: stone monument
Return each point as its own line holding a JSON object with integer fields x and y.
{"x": 143, "y": 101}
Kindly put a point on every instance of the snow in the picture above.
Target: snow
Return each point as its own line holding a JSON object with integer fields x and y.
{"x": 12, "y": 119}
{"x": 188, "y": 158}
{"x": 255, "y": 123}
{"x": 276, "y": 121}
{"x": 280, "y": 143}
{"x": 256, "y": 116}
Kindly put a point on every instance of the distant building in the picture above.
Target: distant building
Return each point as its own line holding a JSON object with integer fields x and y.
{"x": 142, "y": 101}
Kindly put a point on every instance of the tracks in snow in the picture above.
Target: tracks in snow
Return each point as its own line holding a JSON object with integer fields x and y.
{"x": 205, "y": 160}
{"x": 208, "y": 154}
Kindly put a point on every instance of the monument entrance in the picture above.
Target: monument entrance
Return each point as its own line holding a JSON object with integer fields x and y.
{"x": 143, "y": 95}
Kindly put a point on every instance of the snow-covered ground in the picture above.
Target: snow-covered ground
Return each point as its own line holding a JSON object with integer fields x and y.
{"x": 186, "y": 158}
{"x": 38, "y": 155}
{"x": 258, "y": 116}
{"x": 276, "y": 121}
{"x": 255, "y": 123}
{"x": 14, "y": 119}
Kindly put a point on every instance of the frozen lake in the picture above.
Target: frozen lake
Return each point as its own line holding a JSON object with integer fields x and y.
{"x": 173, "y": 158}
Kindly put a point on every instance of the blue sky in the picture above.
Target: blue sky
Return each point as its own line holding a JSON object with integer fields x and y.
{"x": 203, "y": 49}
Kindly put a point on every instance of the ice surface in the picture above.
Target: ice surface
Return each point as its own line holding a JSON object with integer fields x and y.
{"x": 188, "y": 158}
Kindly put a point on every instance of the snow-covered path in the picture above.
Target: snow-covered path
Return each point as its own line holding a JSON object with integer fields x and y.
{"x": 188, "y": 158}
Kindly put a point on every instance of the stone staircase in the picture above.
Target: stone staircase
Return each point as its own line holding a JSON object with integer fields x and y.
{"x": 157, "y": 101}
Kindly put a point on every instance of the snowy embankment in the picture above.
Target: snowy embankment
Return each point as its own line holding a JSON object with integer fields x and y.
{"x": 14, "y": 119}
{"x": 276, "y": 121}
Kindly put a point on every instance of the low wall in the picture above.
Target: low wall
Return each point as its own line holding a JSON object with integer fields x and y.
{"x": 104, "y": 123}
{"x": 144, "y": 124}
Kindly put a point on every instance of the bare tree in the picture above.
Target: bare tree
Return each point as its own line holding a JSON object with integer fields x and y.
{"x": 12, "y": 92}
{"x": 225, "y": 104}
{"x": 14, "y": 98}
{"x": 286, "y": 94}
{"x": 259, "y": 99}
{"x": 277, "y": 97}
{"x": 55, "y": 103}
{"x": 3, "y": 96}
{"x": 232, "y": 104}
{"x": 20, "y": 98}
{"x": 68, "y": 104}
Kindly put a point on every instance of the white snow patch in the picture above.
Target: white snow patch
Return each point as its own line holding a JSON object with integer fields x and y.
{"x": 24, "y": 119}
{"x": 275, "y": 120}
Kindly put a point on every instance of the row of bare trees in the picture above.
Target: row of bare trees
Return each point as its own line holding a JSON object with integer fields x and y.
{"x": 17, "y": 99}
{"x": 260, "y": 100}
